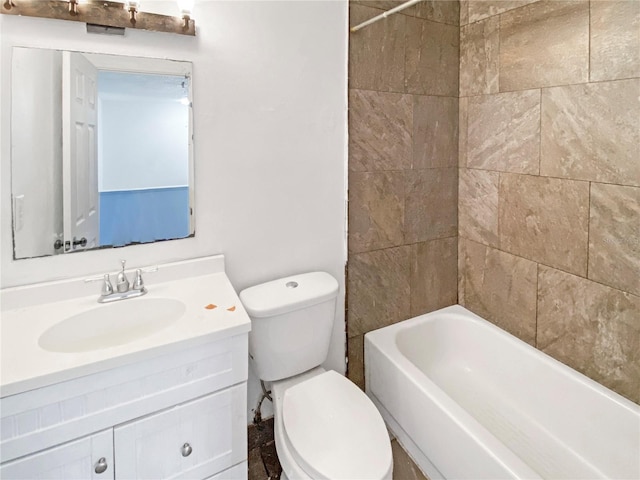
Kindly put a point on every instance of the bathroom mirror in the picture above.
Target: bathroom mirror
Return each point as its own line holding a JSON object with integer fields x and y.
{"x": 101, "y": 151}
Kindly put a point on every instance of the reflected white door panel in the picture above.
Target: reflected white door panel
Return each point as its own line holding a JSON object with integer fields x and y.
{"x": 80, "y": 152}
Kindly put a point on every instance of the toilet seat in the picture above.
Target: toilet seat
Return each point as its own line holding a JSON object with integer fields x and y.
{"x": 334, "y": 431}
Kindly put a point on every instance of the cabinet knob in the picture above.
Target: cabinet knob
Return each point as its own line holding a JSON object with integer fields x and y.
{"x": 186, "y": 450}
{"x": 101, "y": 466}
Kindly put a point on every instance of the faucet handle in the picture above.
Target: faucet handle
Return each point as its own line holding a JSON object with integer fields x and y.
{"x": 107, "y": 288}
{"x": 138, "y": 283}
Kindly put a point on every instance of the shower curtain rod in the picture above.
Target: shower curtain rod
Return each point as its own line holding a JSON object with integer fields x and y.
{"x": 385, "y": 14}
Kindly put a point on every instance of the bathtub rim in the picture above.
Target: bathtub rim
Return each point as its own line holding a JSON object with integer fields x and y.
{"x": 386, "y": 337}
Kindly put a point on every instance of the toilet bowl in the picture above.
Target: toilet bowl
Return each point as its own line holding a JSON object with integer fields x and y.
{"x": 326, "y": 428}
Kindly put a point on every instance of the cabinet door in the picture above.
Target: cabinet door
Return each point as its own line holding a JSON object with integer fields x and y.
{"x": 75, "y": 460}
{"x": 194, "y": 440}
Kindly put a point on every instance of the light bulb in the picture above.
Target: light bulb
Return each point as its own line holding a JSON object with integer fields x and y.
{"x": 186, "y": 7}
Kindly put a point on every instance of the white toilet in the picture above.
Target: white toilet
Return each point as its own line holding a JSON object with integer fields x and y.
{"x": 326, "y": 428}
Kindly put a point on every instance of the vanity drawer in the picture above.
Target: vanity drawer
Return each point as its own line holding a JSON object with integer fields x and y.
{"x": 194, "y": 440}
{"x": 77, "y": 460}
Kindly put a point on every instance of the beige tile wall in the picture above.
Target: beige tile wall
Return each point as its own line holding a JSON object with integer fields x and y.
{"x": 545, "y": 110}
{"x": 403, "y": 167}
{"x": 549, "y": 182}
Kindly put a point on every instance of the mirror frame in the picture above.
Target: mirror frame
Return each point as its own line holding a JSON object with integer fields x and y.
{"x": 125, "y": 64}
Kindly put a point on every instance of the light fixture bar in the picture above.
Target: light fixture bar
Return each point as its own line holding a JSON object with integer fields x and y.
{"x": 99, "y": 12}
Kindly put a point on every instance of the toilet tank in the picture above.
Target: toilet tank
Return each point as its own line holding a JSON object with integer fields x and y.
{"x": 291, "y": 323}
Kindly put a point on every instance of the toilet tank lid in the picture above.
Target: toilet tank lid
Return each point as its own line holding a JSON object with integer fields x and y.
{"x": 289, "y": 294}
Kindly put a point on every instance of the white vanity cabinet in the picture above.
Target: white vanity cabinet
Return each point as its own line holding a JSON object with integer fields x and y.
{"x": 178, "y": 415}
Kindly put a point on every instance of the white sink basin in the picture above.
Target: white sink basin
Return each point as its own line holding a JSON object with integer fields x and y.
{"x": 112, "y": 325}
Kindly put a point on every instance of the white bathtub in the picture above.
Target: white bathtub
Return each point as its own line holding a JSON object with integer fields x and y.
{"x": 468, "y": 400}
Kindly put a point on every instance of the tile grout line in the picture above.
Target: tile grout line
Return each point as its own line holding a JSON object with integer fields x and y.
{"x": 498, "y": 226}
{"x": 448, "y": 237}
{"x": 546, "y": 176}
{"x": 537, "y": 298}
{"x": 589, "y": 47}
{"x": 541, "y": 264}
{"x": 575, "y": 84}
{"x": 499, "y": 48}
{"x": 540, "y": 138}
{"x": 588, "y": 231}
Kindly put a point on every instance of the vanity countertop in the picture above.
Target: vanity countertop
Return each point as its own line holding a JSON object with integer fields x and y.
{"x": 212, "y": 311}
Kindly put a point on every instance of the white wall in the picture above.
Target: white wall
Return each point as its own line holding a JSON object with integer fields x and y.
{"x": 270, "y": 104}
{"x": 37, "y": 165}
{"x": 143, "y": 143}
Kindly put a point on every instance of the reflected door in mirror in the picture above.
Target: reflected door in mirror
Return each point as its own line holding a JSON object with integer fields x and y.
{"x": 80, "y": 152}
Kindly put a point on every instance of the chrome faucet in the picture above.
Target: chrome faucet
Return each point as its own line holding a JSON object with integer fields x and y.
{"x": 124, "y": 289}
